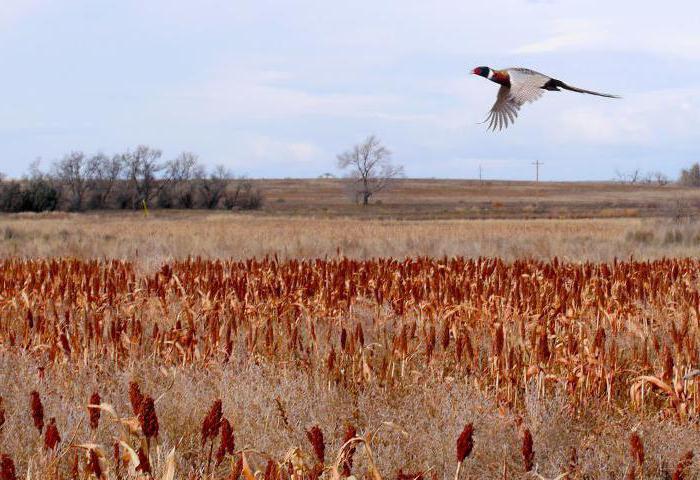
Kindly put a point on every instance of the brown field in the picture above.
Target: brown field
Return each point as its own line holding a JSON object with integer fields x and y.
{"x": 320, "y": 314}
{"x": 421, "y": 199}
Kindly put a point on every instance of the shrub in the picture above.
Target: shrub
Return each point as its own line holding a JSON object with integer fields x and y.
{"x": 244, "y": 196}
{"x": 11, "y": 199}
{"x": 36, "y": 195}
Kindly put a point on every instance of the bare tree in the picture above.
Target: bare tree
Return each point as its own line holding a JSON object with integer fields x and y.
{"x": 105, "y": 171}
{"x": 243, "y": 196}
{"x": 660, "y": 178}
{"x": 141, "y": 168}
{"x": 213, "y": 188}
{"x": 128, "y": 180}
{"x": 183, "y": 168}
{"x": 177, "y": 186}
{"x": 73, "y": 172}
{"x": 370, "y": 168}
{"x": 632, "y": 177}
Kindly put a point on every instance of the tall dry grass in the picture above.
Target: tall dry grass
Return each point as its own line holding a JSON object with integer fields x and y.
{"x": 160, "y": 237}
{"x": 558, "y": 367}
{"x": 426, "y": 421}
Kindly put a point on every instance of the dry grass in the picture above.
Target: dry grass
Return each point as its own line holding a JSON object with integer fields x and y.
{"x": 164, "y": 236}
{"x": 469, "y": 199}
{"x": 428, "y": 419}
{"x": 578, "y": 355}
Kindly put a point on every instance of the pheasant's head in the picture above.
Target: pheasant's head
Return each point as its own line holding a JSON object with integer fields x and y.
{"x": 482, "y": 71}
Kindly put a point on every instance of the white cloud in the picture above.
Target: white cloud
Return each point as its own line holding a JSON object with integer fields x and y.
{"x": 624, "y": 27}
{"x": 261, "y": 94}
{"x": 304, "y": 151}
{"x": 261, "y": 147}
{"x": 591, "y": 126}
{"x": 568, "y": 34}
{"x": 651, "y": 118}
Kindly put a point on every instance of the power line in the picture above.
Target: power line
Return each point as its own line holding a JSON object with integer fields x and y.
{"x": 537, "y": 165}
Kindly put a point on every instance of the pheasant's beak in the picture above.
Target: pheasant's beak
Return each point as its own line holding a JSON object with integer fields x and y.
{"x": 475, "y": 71}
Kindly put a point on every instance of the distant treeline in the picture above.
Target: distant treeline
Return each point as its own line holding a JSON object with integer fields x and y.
{"x": 129, "y": 180}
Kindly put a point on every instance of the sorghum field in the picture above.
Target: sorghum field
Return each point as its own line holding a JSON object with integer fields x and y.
{"x": 409, "y": 366}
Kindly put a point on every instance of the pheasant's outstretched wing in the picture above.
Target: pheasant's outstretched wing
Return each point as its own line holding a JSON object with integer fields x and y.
{"x": 525, "y": 86}
{"x": 504, "y": 111}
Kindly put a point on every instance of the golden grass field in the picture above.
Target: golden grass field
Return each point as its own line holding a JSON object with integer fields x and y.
{"x": 162, "y": 236}
{"x": 393, "y": 330}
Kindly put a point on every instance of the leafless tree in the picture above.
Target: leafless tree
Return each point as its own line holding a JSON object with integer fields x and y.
{"x": 243, "y": 196}
{"x": 73, "y": 173}
{"x": 177, "y": 186}
{"x": 654, "y": 178}
{"x": 632, "y": 177}
{"x": 80, "y": 181}
{"x": 660, "y": 178}
{"x": 183, "y": 168}
{"x": 105, "y": 172}
{"x": 213, "y": 188}
{"x": 635, "y": 177}
{"x": 370, "y": 168}
{"x": 142, "y": 167}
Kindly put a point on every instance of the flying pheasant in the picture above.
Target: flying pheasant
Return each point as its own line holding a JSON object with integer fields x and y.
{"x": 518, "y": 87}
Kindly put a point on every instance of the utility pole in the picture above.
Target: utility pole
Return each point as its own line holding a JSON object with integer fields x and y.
{"x": 480, "y": 180}
{"x": 537, "y": 165}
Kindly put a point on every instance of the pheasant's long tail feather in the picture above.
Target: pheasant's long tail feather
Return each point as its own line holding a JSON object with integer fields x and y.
{"x": 563, "y": 85}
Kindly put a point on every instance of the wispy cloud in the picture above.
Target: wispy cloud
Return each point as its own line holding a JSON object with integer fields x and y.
{"x": 271, "y": 149}
{"x": 594, "y": 32}
{"x": 265, "y": 94}
{"x": 650, "y": 118}
{"x": 568, "y": 34}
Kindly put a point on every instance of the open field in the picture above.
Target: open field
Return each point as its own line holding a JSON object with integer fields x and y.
{"x": 580, "y": 357}
{"x": 161, "y": 236}
{"x": 459, "y": 199}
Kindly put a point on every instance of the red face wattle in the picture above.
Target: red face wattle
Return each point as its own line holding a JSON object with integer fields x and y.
{"x": 481, "y": 71}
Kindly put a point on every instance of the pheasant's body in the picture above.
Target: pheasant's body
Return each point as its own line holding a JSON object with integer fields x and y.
{"x": 518, "y": 87}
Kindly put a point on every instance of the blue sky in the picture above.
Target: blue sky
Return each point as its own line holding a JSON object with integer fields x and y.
{"x": 278, "y": 88}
